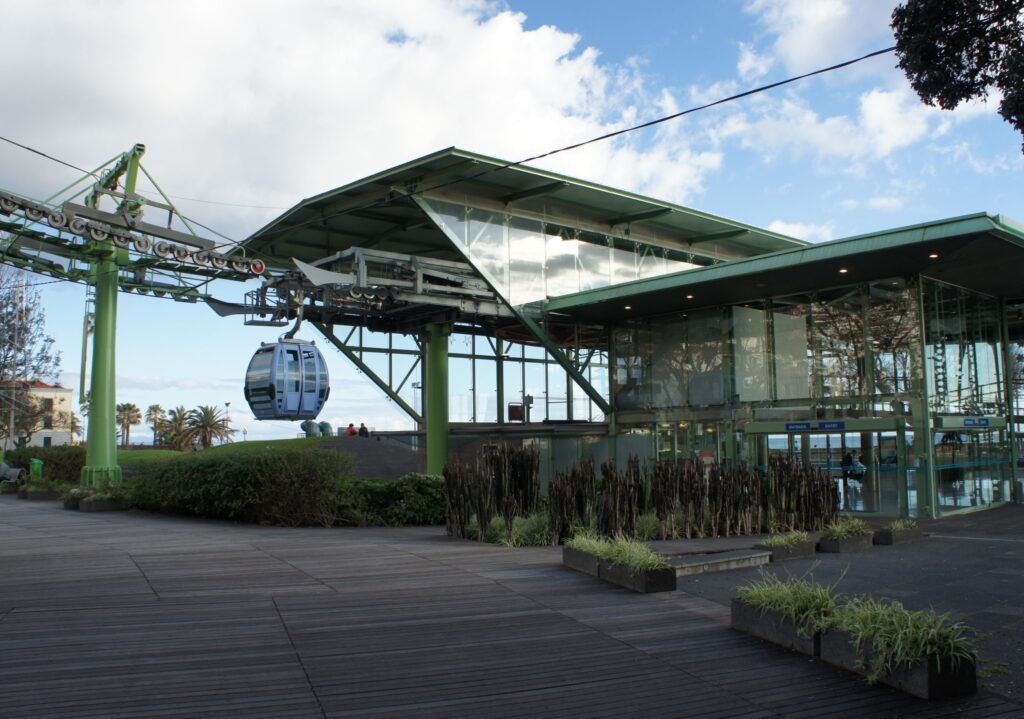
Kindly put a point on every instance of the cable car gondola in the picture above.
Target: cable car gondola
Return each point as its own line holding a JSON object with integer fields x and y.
{"x": 287, "y": 379}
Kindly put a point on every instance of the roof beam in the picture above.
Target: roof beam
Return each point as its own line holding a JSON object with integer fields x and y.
{"x": 538, "y": 191}
{"x": 639, "y": 216}
{"x": 727, "y": 234}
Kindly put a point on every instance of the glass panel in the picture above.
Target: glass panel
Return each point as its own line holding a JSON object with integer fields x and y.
{"x": 526, "y": 259}
{"x": 839, "y": 334}
{"x": 792, "y": 371}
{"x": 962, "y": 355}
{"x": 751, "y": 365}
{"x": 705, "y": 348}
{"x": 292, "y": 370}
{"x": 669, "y": 364}
{"x": 895, "y": 329}
{"x": 526, "y": 262}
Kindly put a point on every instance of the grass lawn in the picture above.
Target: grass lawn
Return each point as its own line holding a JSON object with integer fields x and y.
{"x": 142, "y": 456}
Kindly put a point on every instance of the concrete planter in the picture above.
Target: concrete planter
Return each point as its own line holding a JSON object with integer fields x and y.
{"x": 773, "y": 626}
{"x": 580, "y": 561}
{"x": 846, "y": 544}
{"x": 638, "y": 580}
{"x": 88, "y": 504}
{"x": 793, "y": 551}
{"x": 42, "y": 494}
{"x": 888, "y": 536}
{"x": 929, "y": 677}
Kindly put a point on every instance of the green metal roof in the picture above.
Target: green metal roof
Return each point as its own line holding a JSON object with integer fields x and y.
{"x": 378, "y": 212}
{"x": 981, "y": 252}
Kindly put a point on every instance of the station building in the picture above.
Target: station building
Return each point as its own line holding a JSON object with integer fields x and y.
{"x": 492, "y": 301}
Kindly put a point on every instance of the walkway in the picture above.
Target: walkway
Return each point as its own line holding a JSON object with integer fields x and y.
{"x": 137, "y": 615}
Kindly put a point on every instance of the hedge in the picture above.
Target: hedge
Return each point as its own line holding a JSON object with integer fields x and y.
{"x": 61, "y": 465}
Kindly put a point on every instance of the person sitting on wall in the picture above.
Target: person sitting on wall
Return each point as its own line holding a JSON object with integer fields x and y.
{"x": 363, "y": 431}
{"x": 351, "y": 431}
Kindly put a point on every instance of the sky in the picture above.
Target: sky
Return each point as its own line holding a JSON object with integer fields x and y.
{"x": 248, "y": 106}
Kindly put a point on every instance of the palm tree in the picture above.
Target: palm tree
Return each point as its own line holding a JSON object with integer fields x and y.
{"x": 155, "y": 414}
{"x": 209, "y": 424}
{"x": 176, "y": 431}
{"x": 127, "y": 415}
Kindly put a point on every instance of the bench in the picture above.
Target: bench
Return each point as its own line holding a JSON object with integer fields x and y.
{"x": 9, "y": 473}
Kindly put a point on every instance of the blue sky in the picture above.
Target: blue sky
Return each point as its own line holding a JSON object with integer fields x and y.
{"x": 247, "y": 107}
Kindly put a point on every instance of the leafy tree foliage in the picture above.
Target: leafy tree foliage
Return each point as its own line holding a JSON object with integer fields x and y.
{"x": 176, "y": 431}
{"x": 207, "y": 424}
{"x": 155, "y": 414}
{"x": 956, "y": 50}
{"x": 26, "y": 354}
{"x": 128, "y": 415}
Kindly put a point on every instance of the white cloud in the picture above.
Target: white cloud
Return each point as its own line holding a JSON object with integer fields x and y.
{"x": 887, "y": 121}
{"x": 803, "y": 231}
{"x": 885, "y": 203}
{"x": 811, "y": 34}
{"x": 751, "y": 65}
{"x": 263, "y": 103}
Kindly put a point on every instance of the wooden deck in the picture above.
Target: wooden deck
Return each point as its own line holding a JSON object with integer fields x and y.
{"x": 137, "y": 615}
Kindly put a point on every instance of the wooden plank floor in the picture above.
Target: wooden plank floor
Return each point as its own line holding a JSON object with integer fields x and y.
{"x": 137, "y": 615}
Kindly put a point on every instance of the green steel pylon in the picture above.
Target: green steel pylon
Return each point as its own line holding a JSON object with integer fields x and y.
{"x": 101, "y": 465}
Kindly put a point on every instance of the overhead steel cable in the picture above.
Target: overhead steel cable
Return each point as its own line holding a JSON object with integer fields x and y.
{"x": 600, "y": 138}
{"x": 508, "y": 165}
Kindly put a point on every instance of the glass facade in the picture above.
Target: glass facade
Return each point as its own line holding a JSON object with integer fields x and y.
{"x": 527, "y": 259}
{"x": 906, "y": 377}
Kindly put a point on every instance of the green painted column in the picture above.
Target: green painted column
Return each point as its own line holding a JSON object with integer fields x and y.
{"x": 101, "y": 465}
{"x": 435, "y": 396}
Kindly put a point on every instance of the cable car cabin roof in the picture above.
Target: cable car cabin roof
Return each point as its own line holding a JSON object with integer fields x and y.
{"x": 379, "y": 212}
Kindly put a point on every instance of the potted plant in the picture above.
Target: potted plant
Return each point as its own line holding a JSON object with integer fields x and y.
{"x": 921, "y": 653}
{"x": 790, "y": 613}
{"x": 41, "y": 491}
{"x": 636, "y": 566}
{"x": 899, "y": 531}
{"x": 582, "y": 553}
{"x": 846, "y": 535}
{"x": 102, "y": 502}
{"x": 621, "y": 561}
{"x": 791, "y": 545}
{"x": 73, "y": 497}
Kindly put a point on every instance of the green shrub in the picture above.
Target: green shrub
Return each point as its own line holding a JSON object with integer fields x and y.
{"x": 413, "y": 499}
{"x": 620, "y": 550}
{"x": 810, "y": 606}
{"x": 532, "y": 531}
{"x": 901, "y": 525}
{"x": 899, "y": 637}
{"x": 781, "y": 541}
{"x": 846, "y": 529}
{"x": 61, "y": 465}
{"x": 648, "y": 527}
{"x": 287, "y": 486}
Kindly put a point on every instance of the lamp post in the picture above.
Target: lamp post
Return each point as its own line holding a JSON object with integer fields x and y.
{"x": 227, "y": 422}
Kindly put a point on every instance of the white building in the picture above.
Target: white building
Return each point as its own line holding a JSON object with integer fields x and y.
{"x": 55, "y": 428}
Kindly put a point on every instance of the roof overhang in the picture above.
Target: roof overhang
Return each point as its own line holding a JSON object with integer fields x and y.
{"x": 378, "y": 213}
{"x": 980, "y": 252}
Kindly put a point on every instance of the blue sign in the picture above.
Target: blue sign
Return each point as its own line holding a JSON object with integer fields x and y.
{"x": 797, "y": 426}
{"x": 975, "y": 422}
{"x": 832, "y": 425}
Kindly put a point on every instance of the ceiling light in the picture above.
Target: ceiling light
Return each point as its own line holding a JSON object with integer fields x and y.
{"x": 689, "y": 297}
{"x": 629, "y": 307}
{"x": 933, "y": 256}
{"x": 843, "y": 270}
